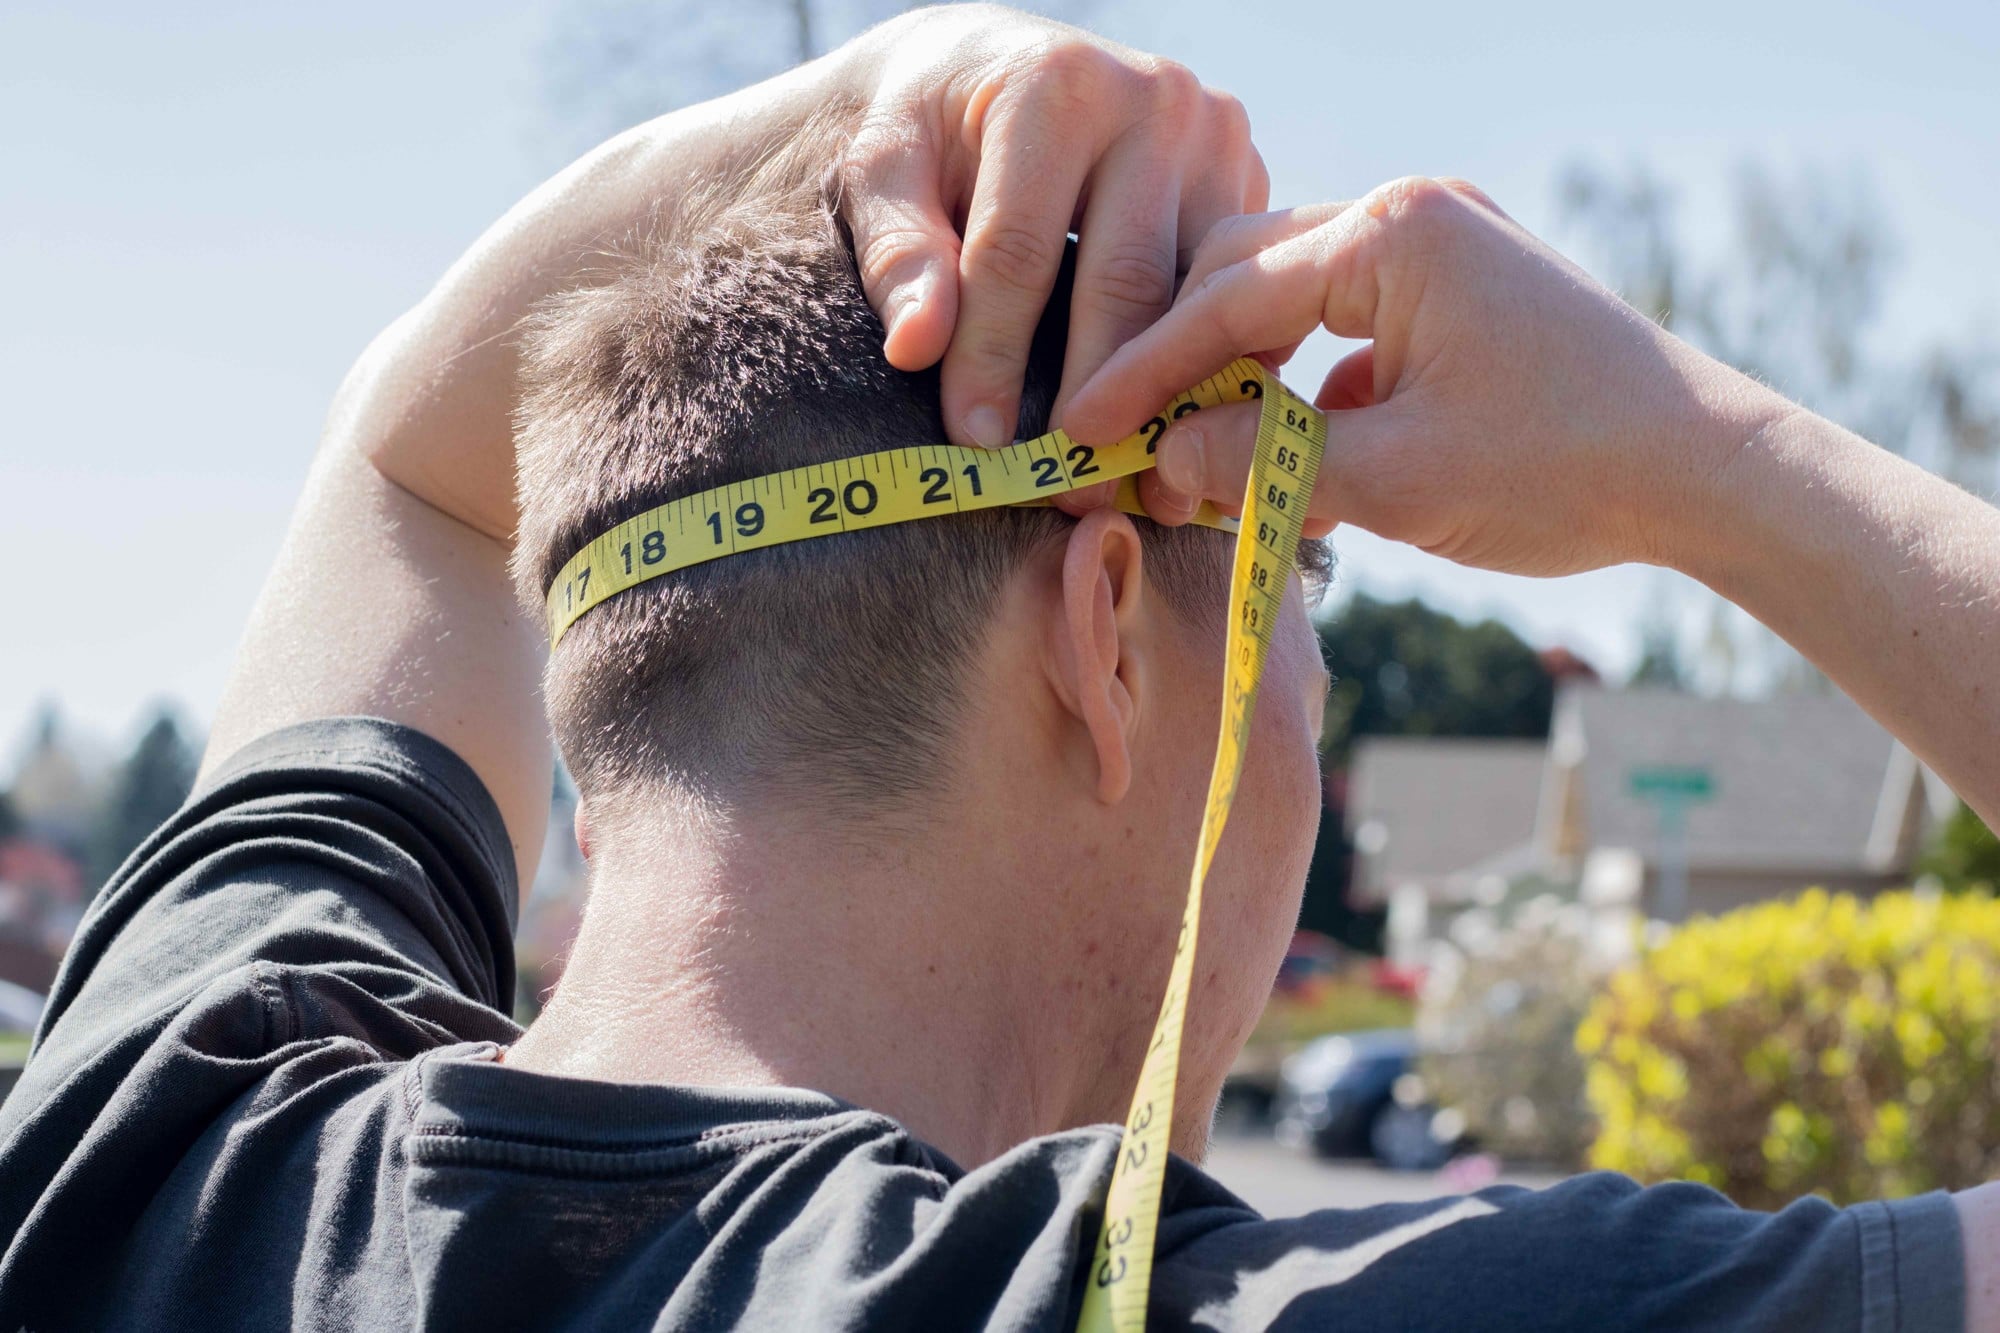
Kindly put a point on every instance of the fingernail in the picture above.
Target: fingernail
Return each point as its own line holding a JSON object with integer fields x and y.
{"x": 1173, "y": 504}
{"x": 1181, "y": 464}
{"x": 984, "y": 427}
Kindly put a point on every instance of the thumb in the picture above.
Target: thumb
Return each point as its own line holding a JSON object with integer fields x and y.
{"x": 904, "y": 244}
{"x": 1207, "y": 456}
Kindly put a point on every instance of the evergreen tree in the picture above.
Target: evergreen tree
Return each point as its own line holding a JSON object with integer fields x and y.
{"x": 150, "y": 785}
{"x": 1403, "y": 669}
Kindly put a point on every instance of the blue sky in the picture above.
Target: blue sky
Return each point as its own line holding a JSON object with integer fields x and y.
{"x": 206, "y": 211}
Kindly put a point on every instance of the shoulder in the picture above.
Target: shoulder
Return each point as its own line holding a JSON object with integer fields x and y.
{"x": 1596, "y": 1251}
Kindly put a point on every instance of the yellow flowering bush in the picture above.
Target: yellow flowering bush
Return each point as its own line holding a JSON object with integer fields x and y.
{"x": 1821, "y": 1045}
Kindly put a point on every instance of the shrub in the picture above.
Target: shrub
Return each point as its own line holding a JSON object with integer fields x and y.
{"x": 1497, "y": 1026}
{"x": 1329, "y": 1005}
{"x": 1819, "y": 1045}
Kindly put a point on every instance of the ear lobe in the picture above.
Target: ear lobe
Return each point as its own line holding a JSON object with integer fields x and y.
{"x": 1102, "y": 589}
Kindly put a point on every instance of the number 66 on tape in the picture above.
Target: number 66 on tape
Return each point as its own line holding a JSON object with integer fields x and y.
{"x": 1291, "y": 437}
{"x": 899, "y": 485}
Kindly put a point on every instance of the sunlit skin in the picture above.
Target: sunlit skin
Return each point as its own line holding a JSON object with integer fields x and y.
{"x": 986, "y": 967}
{"x": 1507, "y": 412}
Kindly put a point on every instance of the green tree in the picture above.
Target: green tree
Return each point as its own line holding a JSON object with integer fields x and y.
{"x": 1402, "y": 669}
{"x": 150, "y": 785}
{"x": 1964, "y": 854}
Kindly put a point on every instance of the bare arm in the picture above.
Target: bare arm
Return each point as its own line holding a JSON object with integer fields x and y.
{"x": 1886, "y": 577}
{"x": 1512, "y": 414}
{"x": 390, "y": 595}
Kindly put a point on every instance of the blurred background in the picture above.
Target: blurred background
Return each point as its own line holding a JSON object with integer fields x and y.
{"x": 1559, "y": 914}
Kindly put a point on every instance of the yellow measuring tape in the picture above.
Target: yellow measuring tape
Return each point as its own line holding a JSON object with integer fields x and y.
{"x": 898, "y": 485}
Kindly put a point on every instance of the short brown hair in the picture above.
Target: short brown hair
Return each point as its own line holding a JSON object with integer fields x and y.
{"x": 740, "y": 343}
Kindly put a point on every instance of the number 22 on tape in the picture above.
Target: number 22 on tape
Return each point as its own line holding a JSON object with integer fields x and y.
{"x": 1291, "y": 437}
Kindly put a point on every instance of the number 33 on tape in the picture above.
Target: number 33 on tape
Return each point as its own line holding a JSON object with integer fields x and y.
{"x": 900, "y": 485}
{"x": 1291, "y": 437}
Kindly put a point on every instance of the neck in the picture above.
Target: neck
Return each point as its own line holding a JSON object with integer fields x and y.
{"x": 938, "y": 971}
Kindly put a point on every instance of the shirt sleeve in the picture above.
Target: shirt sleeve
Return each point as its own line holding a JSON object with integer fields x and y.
{"x": 351, "y": 875}
{"x": 1597, "y": 1251}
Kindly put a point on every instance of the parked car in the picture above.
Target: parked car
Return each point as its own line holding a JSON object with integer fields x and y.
{"x": 1358, "y": 1095}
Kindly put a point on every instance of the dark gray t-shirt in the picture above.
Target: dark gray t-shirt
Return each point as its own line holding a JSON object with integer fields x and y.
{"x": 265, "y": 1095}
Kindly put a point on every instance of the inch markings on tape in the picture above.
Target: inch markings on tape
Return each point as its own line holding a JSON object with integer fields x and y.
{"x": 871, "y": 491}
{"x": 900, "y": 485}
{"x": 1291, "y": 437}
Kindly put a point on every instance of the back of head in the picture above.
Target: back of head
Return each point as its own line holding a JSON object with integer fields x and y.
{"x": 740, "y": 344}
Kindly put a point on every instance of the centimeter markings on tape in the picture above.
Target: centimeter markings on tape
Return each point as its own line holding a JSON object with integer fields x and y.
{"x": 1290, "y": 440}
{"x": 871, "y": 491}
{"x": 898, "y": 485}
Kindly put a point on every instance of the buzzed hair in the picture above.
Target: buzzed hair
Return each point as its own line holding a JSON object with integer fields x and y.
{"x": 740, "y": 343}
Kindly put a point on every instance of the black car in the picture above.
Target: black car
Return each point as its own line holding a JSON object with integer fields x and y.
{"x": 1340, "y": 1096}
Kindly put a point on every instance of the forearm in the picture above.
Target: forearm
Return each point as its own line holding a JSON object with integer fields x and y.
{"x": 436, "y": 412}
{"x": 391, "y": 594}
{"x": 1887, "y": 578}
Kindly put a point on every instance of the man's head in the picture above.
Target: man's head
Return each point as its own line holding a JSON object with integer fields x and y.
{"x": 1013, "y": 676}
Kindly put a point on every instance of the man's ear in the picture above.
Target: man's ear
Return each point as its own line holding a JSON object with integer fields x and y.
{"x": 1098, "y": 668}
{"x": 582, "y": 822}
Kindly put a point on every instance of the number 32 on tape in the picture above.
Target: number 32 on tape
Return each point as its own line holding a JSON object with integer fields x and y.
{"x": 1291, "y": 437}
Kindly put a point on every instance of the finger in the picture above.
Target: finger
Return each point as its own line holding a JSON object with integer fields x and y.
{"x": 1208, "y": 456}
{"x": 1351, "y": 382}
{"x": 1257, "y": 193}
{"x": 1322, "y": 278}
{"x": 1234, "y": 239}
{"x": 1224, "y": 174}
{"x": 1125, "y": 257}
{"x": 1031, "y": 175}
{"x": 905, "y": 246}
{"x": 1081, "y": 501}
{"x": 1165, "y": 505}
{"x": 1460, "y": 186}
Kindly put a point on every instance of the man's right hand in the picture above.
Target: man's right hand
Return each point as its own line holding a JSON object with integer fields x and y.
{"x": 1508, "y": 413}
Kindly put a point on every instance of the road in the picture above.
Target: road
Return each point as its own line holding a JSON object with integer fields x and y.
{"x": 1279, "y": 1182}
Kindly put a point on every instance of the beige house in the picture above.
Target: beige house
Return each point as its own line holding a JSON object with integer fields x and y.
{"x": 1648, "y": 800}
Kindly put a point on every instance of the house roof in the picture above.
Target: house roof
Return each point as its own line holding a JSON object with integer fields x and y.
{"x": 1800, "y": 782}
{"x": 1441, "y": 805}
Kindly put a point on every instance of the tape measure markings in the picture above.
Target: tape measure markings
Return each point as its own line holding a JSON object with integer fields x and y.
{"x": 1290, "y": 439}
{"x": 1281, "y": 478}
{"x": 869, "y": 491}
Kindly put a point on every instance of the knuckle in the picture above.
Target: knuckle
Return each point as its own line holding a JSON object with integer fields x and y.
{"x": 1232, "y": 118}
{"x": 1012, "y": 255}
{"x": 1465, "y": 189}
{"x": 871, "y": 153}
{"x": 881, "y": 252}
{"x": 1068, "y": 68}
{"x": 1418, "y": 200}
{"x": 1132, "y": 278}
{"x": 1173, "y": 84}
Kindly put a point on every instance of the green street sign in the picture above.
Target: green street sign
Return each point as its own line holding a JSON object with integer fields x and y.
{"x": 1671, "y": 783}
